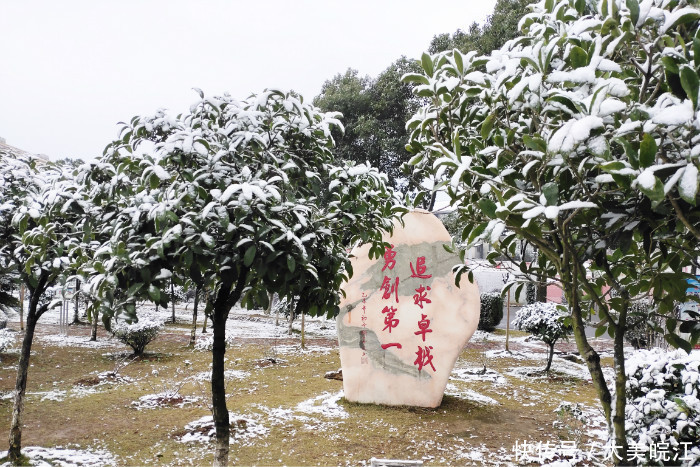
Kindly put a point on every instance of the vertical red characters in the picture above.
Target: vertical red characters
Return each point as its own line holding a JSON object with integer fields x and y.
{"x": 388, "y": 288}
{"x": 423, "y": 356}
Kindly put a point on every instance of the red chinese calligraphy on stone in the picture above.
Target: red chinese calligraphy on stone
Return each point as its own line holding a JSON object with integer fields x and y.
{"x": 389, "y": 255}
{"x": 393, "y": 344}
{"x": 421, "y": 296}
{"x": 390, "y": 288}
{"x": 389, "y": 320}
{"x": 424, "y": 358}
{"x": 420, "y": 270}
{"x": 423, "y": 326}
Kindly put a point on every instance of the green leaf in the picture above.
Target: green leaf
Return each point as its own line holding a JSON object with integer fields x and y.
{"x": 578, "y": 57}
{"x": 633, "y": 6}
{"x": 427, "y": 64}
{"x": 686, "y": 18}
{"x": 415, "y": 78}
{"x": 696, "y": 52}
{"x": 656, "y": 193}
{"x": 487, "y": 126}
{"x": 630, "y": 152}
{"x": 535, "y": 143}
{"x": 647, "y": 151}
{"x": 580, "y": 6}
{"x": 488, "y": 207}
{"x": 551, "y": 193}
{"x": 154, "y": 293}
{"x": 134, "y": 288}
{"x": 669, "y": 64}
{"x": 291, "y": 263}
{"x": 600, "y": 330}
{"x": 249, "y": 256}
{"x": 690, "y": 83}
{"x": 678, "y": 342}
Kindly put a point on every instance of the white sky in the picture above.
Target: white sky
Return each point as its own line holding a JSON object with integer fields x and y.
{"x": 70, "y": 70}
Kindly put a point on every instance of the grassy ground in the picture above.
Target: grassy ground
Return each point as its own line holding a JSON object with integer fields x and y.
{"x": 286, "y": 412}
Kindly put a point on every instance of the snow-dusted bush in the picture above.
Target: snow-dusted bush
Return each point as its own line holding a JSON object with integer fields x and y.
{"x": 491, "y": 311}
{"x": 663, "y": 405}
{"x": 206, "y": 342}
{"x": 7, "y": 339}
{"x": 545, "y": 321}
{"x": 3, "y": 320}
{"x": 139, "y": 334}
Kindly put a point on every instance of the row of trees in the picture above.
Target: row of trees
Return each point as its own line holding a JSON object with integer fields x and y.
{"x": 579, "y": 138}
{"x": 239, "y": 197}
{"x": 375, "y": 110}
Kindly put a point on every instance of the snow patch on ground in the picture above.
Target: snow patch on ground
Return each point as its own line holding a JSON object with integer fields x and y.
{"x": 477, "y": 374}
{"x": 78, "y": 341}
{"x": 243, "y": 430}
{"x": 468, "y": 394}
{"x": 164, "y": 399}
{"x": 65, "y": 457}
{"x": 325, "y": 404}
{"x": 228, "y": 375}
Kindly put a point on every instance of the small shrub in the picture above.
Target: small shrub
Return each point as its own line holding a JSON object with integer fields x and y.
{"x": 7, "y": 339}
{"x": 545, "y": 321}
{"x": 663, "y": 406}
{"x": 139, "y": 334}
{"x": 491, "y": 311}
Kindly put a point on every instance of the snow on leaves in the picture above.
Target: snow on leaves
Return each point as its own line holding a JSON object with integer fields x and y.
{"x": 581, "y": 89}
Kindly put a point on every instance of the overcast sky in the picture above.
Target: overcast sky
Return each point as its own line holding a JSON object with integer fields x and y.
{"x": 70, "y": 70}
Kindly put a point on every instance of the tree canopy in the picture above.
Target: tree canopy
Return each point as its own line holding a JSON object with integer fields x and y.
{"x": 573, "y": 138}
{"x": 374, "y": 115}
{"x": 243, "y": 197}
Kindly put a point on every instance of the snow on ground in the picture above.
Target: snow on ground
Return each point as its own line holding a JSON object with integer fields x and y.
{"x": 325, "y": 404}
{"x": 59, "y": 340}
{"x": 468, "y": 394}
{"x": 164, "y": 399}
{"x": 244, "y": 430}
{"x": 65, "y": 457}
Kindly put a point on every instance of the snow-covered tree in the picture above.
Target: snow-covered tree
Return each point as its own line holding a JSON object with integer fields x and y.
{"x": 558, "y": 137}
{"x": 41, "y": 226}
{"x": 663, "y": 393}
{"x": 545, "y": 321}
{"x": 241, "y": 197}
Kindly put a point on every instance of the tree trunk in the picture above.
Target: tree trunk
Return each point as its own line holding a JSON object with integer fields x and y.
{"x": 93, "y": 333}
{"x": 172, "y": 299}
{"x": 33, "y": 314}
{"x": 204, "y": 324}
{"x": 291, "y": 320}
{"x": 621, "y": 445}
{"x": 20, "y": 390}
{"x": 21, "y": 307}
{"x": 225, "y": 300}
{"x": 542, "y": 291}
{"x": 76, "y": 297}
{"x": 277, "y": 317}
{"x": 303, "y": 337}
{"x": 550, "y": 356}
{"x": 589, "y": 355}
{"x": 194, "y": 316}
{"x": 271, "y": 299}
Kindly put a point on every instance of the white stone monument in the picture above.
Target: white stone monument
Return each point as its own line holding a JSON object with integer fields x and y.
{"x": 403, "y": 322}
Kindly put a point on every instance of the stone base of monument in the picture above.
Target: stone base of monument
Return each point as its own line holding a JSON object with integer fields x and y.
{"x": 374, "y": 462}
{"x": 403, "y": 321}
